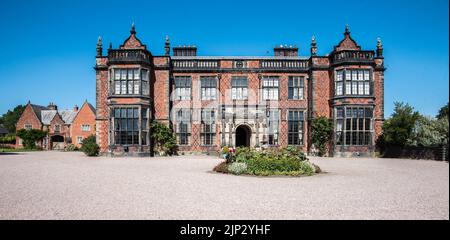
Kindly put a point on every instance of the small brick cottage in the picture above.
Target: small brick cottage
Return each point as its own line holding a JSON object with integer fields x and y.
{"x": 215, "y": 101}
{"x": 63, "y": 126}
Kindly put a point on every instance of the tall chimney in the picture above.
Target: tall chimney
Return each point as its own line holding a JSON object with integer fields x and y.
{"x": 52, "y": 106}
{"x": 75, "y": 108}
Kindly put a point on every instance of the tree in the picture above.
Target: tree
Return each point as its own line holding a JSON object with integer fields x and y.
{"x": 163, "y": 138}
{"x": 89, "y": 146}
{"x": 429, "y": 132}
{"x": 30, "y": 137}
{"x": 10, "y": 118}
{"x": 443, "y": 112}
{"x": 321, "y": 132}
{"x": 399, "y": 128}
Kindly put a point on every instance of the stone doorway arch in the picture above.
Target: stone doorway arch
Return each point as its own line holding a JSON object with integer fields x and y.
{"x": 243, "y": 135}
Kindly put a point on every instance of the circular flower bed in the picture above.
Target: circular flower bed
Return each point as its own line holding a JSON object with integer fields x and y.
{"x": 285, "y": 161}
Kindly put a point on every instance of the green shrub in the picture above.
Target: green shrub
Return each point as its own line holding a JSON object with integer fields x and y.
{"x": 30, "y": 137}
{"x": 71, "y": 147}
{"x": 163, "y": 138}
{"x": 89, "y": 146}
{"x": 8, "y": 139}
{"x": 321, "y": 133}
{"x": 237, "y": 168}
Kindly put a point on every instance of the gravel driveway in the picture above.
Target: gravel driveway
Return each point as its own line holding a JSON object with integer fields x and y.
{"x": 57, "y": 185}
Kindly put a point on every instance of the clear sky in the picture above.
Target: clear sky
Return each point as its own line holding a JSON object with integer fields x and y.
{"x": 48, "y": 47}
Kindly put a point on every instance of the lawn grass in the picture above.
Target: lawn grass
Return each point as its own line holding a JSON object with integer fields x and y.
{"x": 8, "y": 150}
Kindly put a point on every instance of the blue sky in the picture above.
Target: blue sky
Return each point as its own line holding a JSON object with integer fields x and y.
{"x": 48, "y": 47}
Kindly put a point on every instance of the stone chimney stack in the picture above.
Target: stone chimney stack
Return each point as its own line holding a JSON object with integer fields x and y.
{"x": 52, "y": 106}
{"x": 75, "y": 108}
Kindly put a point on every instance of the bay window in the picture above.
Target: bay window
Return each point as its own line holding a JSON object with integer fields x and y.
{"x": 356, "y": 81}
{"x": 354, "y": 126}
{"x": 127, "y": 81}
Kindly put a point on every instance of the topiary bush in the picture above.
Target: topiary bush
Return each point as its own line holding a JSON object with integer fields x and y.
{"x": 89, "y": 146}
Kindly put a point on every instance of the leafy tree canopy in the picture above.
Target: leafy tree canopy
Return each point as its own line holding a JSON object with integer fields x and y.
{"x": 429, "y": 131}
{"x": 10, "y": 118}
{"x": 399, "y": 128}
{"x": 443, "y": 112}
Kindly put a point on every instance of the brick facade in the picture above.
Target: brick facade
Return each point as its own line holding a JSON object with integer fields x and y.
{"x": 120, "y": 134}
{"x": 62, "y": 126}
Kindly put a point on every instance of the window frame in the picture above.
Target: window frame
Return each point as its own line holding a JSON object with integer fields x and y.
{"x": 183, "y": 126}
{"x": 122, "y": 122}
{"x": 273, "y": 132}
{"x": 296, "y": 83}
{"x": 357, "y": 126}
{"x": 239, "y": 90}
{"x": 182, "y": 88}
{"x": 268, "y": 90}
{"x": 85, "y": 127}
{"x": 128, "y": 81}
{"x": 208, "y": 84}
{"x": 296, "y": 121}
{"x": 356, "y": 82}
{"x": 208, "y": 127}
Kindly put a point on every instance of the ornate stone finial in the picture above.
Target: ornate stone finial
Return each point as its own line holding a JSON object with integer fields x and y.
{"x": 379, "y": 48}
{"x": 347, "y": 29}
{"x": 99, "y": 46}
{"x": 313, "y": 46}
{"x": 167, "y": 46}
{"x": 110, "y": 46}
{"x": 133, "y": 30}
{"x": 99, "y": 41}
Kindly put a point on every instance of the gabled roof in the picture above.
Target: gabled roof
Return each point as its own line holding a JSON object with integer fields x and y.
{"x": 88, "y": 105}
{"x": 91, "y": 107}
{"x": 37, "y": 110}
{"x": 347, "y": 43}
{"x": 66, "y": 115}
{"x": 132, "y": 42}
{"x": 47, "y": 116}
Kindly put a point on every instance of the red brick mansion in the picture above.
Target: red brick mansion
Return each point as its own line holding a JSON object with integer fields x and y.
{"x": 215, "y": 101}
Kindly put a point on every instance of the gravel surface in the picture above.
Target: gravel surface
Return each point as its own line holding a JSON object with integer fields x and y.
{"x": 57, "y": 185}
